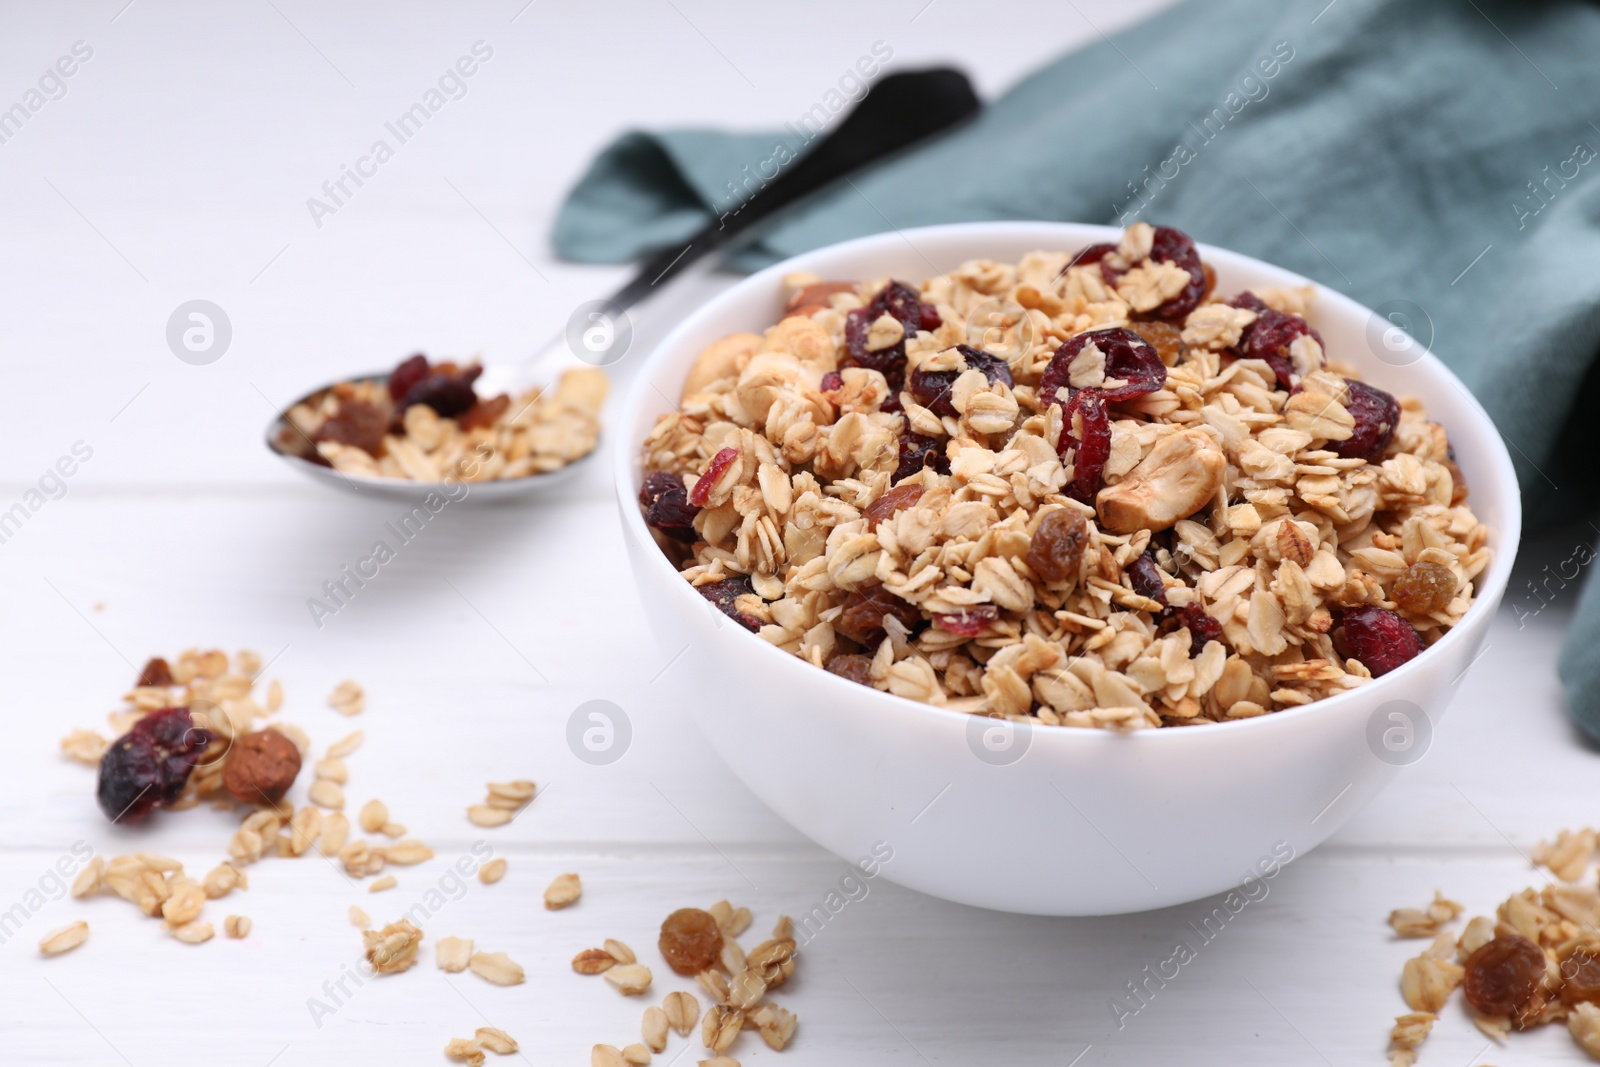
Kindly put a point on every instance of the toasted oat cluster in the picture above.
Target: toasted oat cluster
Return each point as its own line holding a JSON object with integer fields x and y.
{"x": 427, "y": 424}
{"x": 1535, "y": 961}
{"x": 1082, "y": 489}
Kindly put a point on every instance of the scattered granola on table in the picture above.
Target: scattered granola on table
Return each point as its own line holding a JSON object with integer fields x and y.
{"x": 1535, "y": 961}
{"x": 1124, "y": 501}
{"x": 425, "y": 423}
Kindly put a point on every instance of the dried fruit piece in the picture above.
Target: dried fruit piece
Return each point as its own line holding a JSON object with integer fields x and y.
{"x": 445, "y": 389}
{"x": 1144, "y": 575}
{"x": 1202, "y": 627}
{"x": 356, "y": 423}
{"x": 261, "y": 767}
{"x": 861, "y": 620}
{"x": 484, "y": 413}
{"x": 1086, "y": 431}
{"x": 931, "y": 389}
{"x": 1164, "y": 337}
{"x": 667, "y": 508}
{"x": 1503, "y": 975}
{"x": 1168, "y": 245}
{"x": 1270, "y": 336}
{"x": 149, "y": 765}
{"x": 156, "y": 672}
{"x": 1425, "y": 587}
{"x": 691, "y": 941}
{"x": 409, "y": 372}
{"x": 1377, "y": 413}
{"x": 1132, "y": 366}
{"x": 969, "y": 622}
{"x": 918, "y": 451}
{"x": 852, "y": 667}
{"x": 719, "y": 463}
{"x": 724, "y": 593}
{"x": 1380, "y": 638}
{"x": 1580, "y": 976}
{"x": 896, "y": 499}
{"x": 1056, "y": 550}
{"x": 1092, "y": 255}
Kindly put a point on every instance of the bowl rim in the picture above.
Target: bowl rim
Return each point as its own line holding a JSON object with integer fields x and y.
{"x": 1492, "y": 583}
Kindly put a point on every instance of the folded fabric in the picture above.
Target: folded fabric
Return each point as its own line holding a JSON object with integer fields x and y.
{"x": 1425, "y": 153}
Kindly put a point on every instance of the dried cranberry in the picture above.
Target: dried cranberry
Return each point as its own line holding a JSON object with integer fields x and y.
{"x": 1380, "y": 638}
{"x": 1376, "y": 414}
{"x": 832, "y": 381}
{"x": 852, "y": 667}
{"x": 1144, "y": 575}
{"x": 918, "y": 451}
{"x": 864, "y": 612}
{"x": 148, "y": 766}
{"x": 1056, "y": 549}
{"x": 1174, "y": 246}
{"x": 931, "y": 388}
{"x": 448, "y": 394}
{"x": 1129, "y": 358}
{"x": 724, "y": 593}
{"x": 1091, "y": 452}
{"x": 156, "y": 672}
{"x": 969, "y": 622}
{"x": 667, "y": 508}
{"x": 408, "y": 373}
{"x": 1503, "y": 975}
{"x": 1268, "y": 338}
{"x": 1092, "y": 254}
{"x": 905, "y": 304}
{"x": 356, "y": 423}
{"x": 900, "y": 302}
{"x": 901, "y": 496}
{"x": 1202, "y": 627}
{"x": 708, "y": 480}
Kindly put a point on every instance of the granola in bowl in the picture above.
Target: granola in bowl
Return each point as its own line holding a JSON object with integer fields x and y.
{"x": 425, "y": 423}
{"x": 1083, "y": 489}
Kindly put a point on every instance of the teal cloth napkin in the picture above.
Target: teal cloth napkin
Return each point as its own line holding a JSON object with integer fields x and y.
{"x": 1441, "y": 153}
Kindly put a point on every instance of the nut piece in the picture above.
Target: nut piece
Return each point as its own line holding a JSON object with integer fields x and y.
{"x": 683, "y": 1012}
{"x": 593, "y": 961}
{"x": 394, "y": 948}
{"x": 65, "y": 939}
{"x": 260, "y": 767}
{"x": 453, "y": 953}
{"x": 496, "y": 967}
{"x": 630, "y": 979}
{"x": 563, "y": 892}
{"x": 496, "y": 1040}
{"x": 724, "y": 358}
{"x": 1178, "y": 477}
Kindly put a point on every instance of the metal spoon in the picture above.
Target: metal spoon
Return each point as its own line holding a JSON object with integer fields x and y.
{"x": 897, "y": 112}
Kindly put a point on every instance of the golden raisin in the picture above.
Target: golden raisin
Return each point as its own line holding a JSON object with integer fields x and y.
{"x": 691, "y": 941}
{"x": 901, "y": 496}
{"x": 1580, "y": 976}
{"x": 1056, "y": 550}
{"x": 851, "y": 667}
{"x": 1425, "y": 587}
{"x": 1503, "y": 975}
{"x": 1166, "y": 338}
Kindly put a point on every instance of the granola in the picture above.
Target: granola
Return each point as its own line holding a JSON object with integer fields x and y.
{"x": 425, "y": 423}
{"x": 1121, "y": 501}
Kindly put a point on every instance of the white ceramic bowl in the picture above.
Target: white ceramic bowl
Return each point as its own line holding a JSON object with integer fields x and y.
{"x": 1085, "y": 822}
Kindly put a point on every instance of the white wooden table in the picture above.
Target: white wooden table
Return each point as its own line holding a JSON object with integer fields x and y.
{"x": 176, "y": 167}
